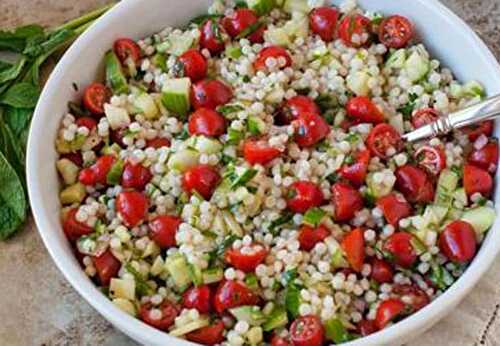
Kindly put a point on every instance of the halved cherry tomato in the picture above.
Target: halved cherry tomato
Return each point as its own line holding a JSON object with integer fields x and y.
{"x": 212, "y": 36}
{"x": 356, "y": 172}
{"x": 279, "y": 341}
{"x": 415, "y": 184}
{"x": 307, "y": 331}
{"x": 246, "y": 258}
{"x": 198, "y": 298}
{"x": 399, "y": 246}
{"x": 311, "y": 129}
{"x": 323, "y": 22}
{"x": 207, "y": 122}
{"x": 351, "y": 25}
{"x": 486, "y": 157}
{"x": 126, "y": 48}
{"x": 106, "y": 266}
{"x": 132, "y": 206}
{"x": 301, "y": 104}
{"x": 97, "y": 173}
{"x": 169, "y": 312}
{"x": 305, "y": 195}
{"x": 458, "y": 241}
{"x": 381, "y": 271}
{"x": 474, "y": 131}
{"x": 239, "y": 21}
{"x": 231, "y": 294}
{"x": 383, "y": 138}
{"x": 346, "y": 201}
{"x": 418, "y": 297}
{"x": 477, "y": 180}
{"x": 94, "y": 97}
{"x": 209, "y": 335}
{"x": 431, "y": 158}
{"x": 423, "y": 117}
{"x": 201, "y": 178}
{"x": 76, "y": 158}
{"x": 210, "y": 94}
{"x": 353, "y": 245}
{"x": 387, "y": 311}
{"x": 362, "y": 109}
{"x": 87, "y": 122}
{"x": 163, "y": 229}
{"x": 275, "y": 52}
{"x": 366, "y": 327}
{"x": 73, "y": 228}
{"x": 259, "y": 152}
{"x": 195, "y": 64}
{"x": 135, "y": 176}
{"x": 395, "y": 31}
{"x": 158, "y": 143}
{"x": 394, "y": 208}
{"x": 309, "y": 237}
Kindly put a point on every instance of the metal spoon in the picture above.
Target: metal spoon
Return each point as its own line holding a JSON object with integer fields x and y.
{"x": 482, "y": 111}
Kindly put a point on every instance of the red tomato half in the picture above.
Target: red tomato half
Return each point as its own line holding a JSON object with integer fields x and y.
{"x": 246, "y": 258}
{"x": 240, "y": 20}
{"x": 423, "y": 117}
{"x": 158, "y": 143}
{"x": 132, "y": 206}
{"x": 203, "y": 179}
{"x": 163, "y": 229}
{"x": 415, "y": 184}
{"x": 309, "y": 237}
{"x": 362, "y": 109}
{"x": 126, "y": 48}
{"x": 275, "y": 52}
{"x": 323, "y": 22}
{"x": 135, "y": 176}
{"x": 346, "y": 201}
{"x": 87, "y": 122}
{"x": 353, "y": 245}
{"x": 382, "y": 271}
{"x": 305, "y": 195}
{"x": 259, "y": 152}
{"x": 293, "y": 107}
{"x": 195, "y": 64}
{"x": 311, "y": 128}
{"x": 212, "y": 36}
{"x": 354, "y": 30}
{"x": 431, "y": 158}
{"x": 95, "y": 96}
{"x": 73, "y": 228}
{"x": 356, "y": 172}
{"x": 207, "y": 122}
{"x": 418, "y": 297}
{"x": 458, "y": 241}
{"x": 486, "y": 157}
{"x": 106, "y": 266}
{"x": 307, "y": 331}
{"x": 477, "y": 180}
{"x": 97, "y": 173}
{"x": 382, "y": 139}
{"x": 198, "y": 298}
{"x": 396, "y": 31}
{"x": 394, "y": 208}
{"x": 231, "y": 294}
{"x": 474, "y": 131}
{"x": 399, "y": 246}
{"x": 209, "y": 335}
{"x": 168, "y": 314}
{"x": 387, "y": 311}
{"x": 210, "y": 94}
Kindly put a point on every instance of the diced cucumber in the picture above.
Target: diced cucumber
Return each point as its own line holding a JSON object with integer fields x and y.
{"x": 251, "y": 281}
{"x": 292, "y": 300}
{"x": 65, "y": 147}
{"x": 338, "y": 259}
{"x": 481, "y": 218}
{"x": 195, "y": 274}
{"x": 219, "y": 226}
{"x": 456, "y": 90}
{"x": 177, "y": 44}
{"x": 206, "y": 145}
{"x": 277, "y": 319}
{"x": 446, "y": 185}
{"x": 417, "y": 66}
{"x": 122, "y": 288}
{"x": 256, "y": 125}
{"x": 250, "y": 314}
{"x": 68, "y": 171}
{"x": 160, "y": 61}
{"x": 474, "y": 89}
{"x": 255, "y": 336}
{"x": 357, "y": 82}
{"x": 277, "y": 36}
{"x": 234, "y": 137}
{"x": 183, "y": 160}
{"x": 296, "y": 6}
{"x": 158, "y": 266}
{"x": 125, "y": 305}
{"x": 117, "y": 117}
{"x": 113, "y": 149}
{"x": 336, "y": 332}
{"x": 190, "y": 327}
{"x": 460, "y": 196}
{"x": 212, "y": 275}
{"x": 261, "y": 7}
{"x": 146, "y": 104}
{"x": 175, "y": 95}
{"x": 114, "y": 175}
{"x": 152, "y": 249}
{"x": 73, "y": 194}
{"x": 397, "y": 59}
{"x": 114, "y": 74}
{"x": 232, "y": 224}
{"x": 434, "y": 214}
{"x": 178, "y": 269}
{"x": 313, "y": 217}
{"x": 418, "y": 245}
{"x": 377, "y": 190}
{"x": 234, "y": 52}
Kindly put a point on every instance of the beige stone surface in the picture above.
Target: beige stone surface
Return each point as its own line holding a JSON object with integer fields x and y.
{"x": 38, "y": 306}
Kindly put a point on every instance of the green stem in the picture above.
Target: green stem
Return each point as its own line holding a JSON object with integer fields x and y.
{"x": 77, "y": 22}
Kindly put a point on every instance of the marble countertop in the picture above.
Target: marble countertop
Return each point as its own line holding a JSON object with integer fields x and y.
{"x": 39, "y": 307}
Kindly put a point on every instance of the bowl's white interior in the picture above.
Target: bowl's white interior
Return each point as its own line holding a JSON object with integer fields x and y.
{"x": 446, "y": 36}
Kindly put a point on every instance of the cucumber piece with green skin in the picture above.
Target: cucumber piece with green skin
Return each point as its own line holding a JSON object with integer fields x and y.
{"x": 73, "y": 194}
{"x": 113, "y": 149}
{"x": 115, "y": 77}
{"x": 292, "y": 300}
{"x": 248, "y": 313}
{"x": 474, "y": 89}
{"x": 183, "y": 160}
{"x": 251, "y": 281}
{"x": 336, "y": 332}
{"x": 114, "y": 175}
{"x": 175, "y": 95}
{"x": 460, "y": 196}
{"x": 68, "y": 171}
{"x": 256, "y": 125}
{"x": 160, "y": 60}
{"x": 190, "y": 327}
{"x": 261, "y": 7}
{"x": 446, "y": 186}
{"x": 212, "y": 275}
{"x": 277, "y": 319}
{"x": 397, "y": 59}
{"x": 377, "y": 190}
{"x": 416, "y": 66}
{"x": 178, "y": 269}
{"x": 206, "y": 145}
{"x": 233, "y": 52}
{"x": 195, "y": 274}
{"x": 435, "y": 213}
{"x": 481, "y": 218}
{"x": 145, "y": 103}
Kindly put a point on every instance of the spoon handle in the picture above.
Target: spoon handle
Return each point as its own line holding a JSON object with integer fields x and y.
{"x": 482, "y": 111}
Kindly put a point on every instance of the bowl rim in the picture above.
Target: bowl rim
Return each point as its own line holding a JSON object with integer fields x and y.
{"x": 139, "y": 330}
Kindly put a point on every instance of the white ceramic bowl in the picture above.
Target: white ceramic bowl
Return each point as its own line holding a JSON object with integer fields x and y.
{"x": 447, "y": 36}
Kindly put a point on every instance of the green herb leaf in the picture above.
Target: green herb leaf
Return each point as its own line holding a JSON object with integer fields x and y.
{"x": 336, "y": 332}
{"x": 18, "y": 119}
{"x": 15, "y": 41}
{"x": 313, "y": 216}
{"x": 12, "y": 150}
{"x": 279, "y": 222}
{"x": 21, "y": 95}
{"x": 12, "y": 72}
{"x": 37, "y": 45}
{"x": 203, "y": 18}
{"x": 243, "y": 179}
{"x": 326, "y": 102}
{"x": 289, "y": 276}
{"x": 407, "y": 110}
{"x": 141, "y": 286}
{"x": 234, "y": 136}
{"x": 229, "y": 109}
